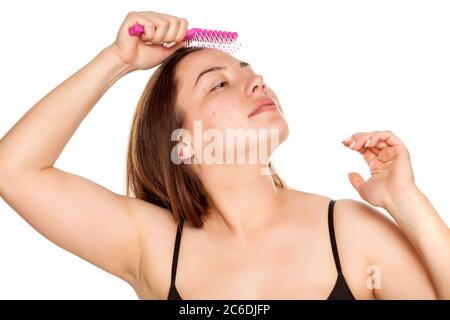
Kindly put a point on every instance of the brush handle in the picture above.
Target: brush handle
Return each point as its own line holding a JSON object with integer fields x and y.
{"x": 137, "y": 30}
{"x": 203, "y": 38}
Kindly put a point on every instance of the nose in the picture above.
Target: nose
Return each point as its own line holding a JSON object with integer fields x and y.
{"x": 256, "y": 85}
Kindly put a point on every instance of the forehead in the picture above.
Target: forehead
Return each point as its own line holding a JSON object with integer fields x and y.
{"x": 194, "y": 63}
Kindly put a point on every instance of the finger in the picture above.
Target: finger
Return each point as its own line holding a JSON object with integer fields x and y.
{"x": 149, "y": 31}
{"x": 174, "y": 46}
{"x": 136, "y": 18}
{"x": 162, "y": 27}
{"x": 381, "y": 145}
{"x": 374, "y": 150}
{"x": 357, "y": 140}
{"x": 369, "y": 155}
{"x": 357, "y": 182}
{"x": 362, "y": 140}
{"x": 385, "y": 136}
{"x": 182, "y": 30}
{"x": 387, "y": 154}
{"x": 173, "y": 30}
{"x": 174, "y": 25}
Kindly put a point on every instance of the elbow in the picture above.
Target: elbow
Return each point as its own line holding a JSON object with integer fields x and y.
{"x": 8, "y": 173}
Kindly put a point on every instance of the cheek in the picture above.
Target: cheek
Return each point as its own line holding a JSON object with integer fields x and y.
{"x": 226, "y": 112}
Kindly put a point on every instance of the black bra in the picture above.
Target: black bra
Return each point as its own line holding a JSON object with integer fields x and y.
{"x": 341, "y": 291}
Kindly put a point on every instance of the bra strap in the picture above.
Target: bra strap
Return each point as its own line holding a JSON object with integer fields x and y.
{"x": 175, "y": 253}
{"x": 332, "y": 236}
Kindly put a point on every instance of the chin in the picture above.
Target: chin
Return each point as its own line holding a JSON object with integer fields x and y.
{"x": 283, "y": 132}
{"x": 281, "y": 126}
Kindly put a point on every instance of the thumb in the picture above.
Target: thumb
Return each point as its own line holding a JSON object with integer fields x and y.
{"x": 357, "y": 181}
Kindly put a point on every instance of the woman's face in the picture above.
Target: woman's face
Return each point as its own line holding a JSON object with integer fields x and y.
{"x": 224, "y": 97}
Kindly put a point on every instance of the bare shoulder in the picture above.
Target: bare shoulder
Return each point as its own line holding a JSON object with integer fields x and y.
{"x": 387, "y": 250}
{"x": 353, "y": 222}
{"x": 307, "y": 201}
{"x": 370, "y": 225}
{"x": 354, "y": 217}
{"x": 364, "y": 229}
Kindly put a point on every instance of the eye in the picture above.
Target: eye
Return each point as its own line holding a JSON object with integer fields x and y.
{"x": 218, "y": 86}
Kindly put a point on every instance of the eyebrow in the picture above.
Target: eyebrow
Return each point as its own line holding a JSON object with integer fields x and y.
{"x": 242, "y": 64}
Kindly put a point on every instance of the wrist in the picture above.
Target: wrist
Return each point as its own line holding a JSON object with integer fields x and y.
{"x": 407, "y": 198}
{"x": 119, "y": 67}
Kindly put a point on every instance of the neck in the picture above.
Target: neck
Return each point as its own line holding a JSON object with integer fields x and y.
{"x": 243, "y": 199}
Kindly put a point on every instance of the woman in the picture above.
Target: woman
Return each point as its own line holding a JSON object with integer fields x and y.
{"x": 245, "y": 234}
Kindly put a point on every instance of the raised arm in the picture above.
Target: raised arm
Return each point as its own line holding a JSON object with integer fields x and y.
{"x": 413, "y": 254}
{"x": 71, "y": 211}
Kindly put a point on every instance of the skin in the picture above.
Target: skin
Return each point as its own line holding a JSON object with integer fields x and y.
{"x": 274, "y": 242}
{"x": 254, "y": 200}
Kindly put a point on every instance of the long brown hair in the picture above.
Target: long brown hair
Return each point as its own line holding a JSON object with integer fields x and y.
{"x": 151, "y": 175}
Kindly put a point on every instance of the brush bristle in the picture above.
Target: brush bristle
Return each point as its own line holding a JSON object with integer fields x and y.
{"x": 212, "y": 39}
{"x": 203, "y": 38}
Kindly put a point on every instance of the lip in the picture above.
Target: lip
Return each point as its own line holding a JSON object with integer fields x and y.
{"x": 267, "y": 103}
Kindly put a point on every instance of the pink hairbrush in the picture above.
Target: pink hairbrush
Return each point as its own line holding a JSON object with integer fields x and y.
{"x": 196, "y": 37}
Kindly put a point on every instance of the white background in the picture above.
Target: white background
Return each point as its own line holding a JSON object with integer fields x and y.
{"x": 338, "y": 67}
